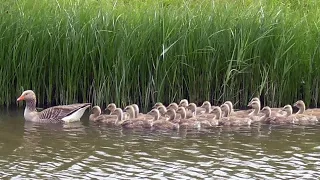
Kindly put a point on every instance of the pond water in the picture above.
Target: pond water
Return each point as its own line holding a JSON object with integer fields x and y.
{"x": 87, "y": 150}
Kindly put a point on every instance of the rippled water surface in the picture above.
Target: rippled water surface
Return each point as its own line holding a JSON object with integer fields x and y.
{"x": 86, "y": 150}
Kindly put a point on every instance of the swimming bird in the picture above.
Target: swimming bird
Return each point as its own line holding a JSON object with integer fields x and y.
{"x": 187, "y": 123}
{"x": 302, "y": 117}
{"x": 229, "y": 120}
{"x": 96, "y": 116}
{"x": 156, "y": 105}
{"x": 243, "y": 120}
{"x": 162, "y": 124}
{"x": 136, "y": 123}
{"x": 111, "y": 107}
{"x": 269, "y": 119}
{"x": 62, "y": 113}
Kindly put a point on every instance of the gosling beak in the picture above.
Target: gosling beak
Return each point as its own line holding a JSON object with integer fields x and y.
{"x": 21, "y": 98}
{"x": 295, "y": 104}
{"x": 250, "y": 103}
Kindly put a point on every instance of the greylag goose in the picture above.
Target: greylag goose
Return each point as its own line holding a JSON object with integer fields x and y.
{"x": 192, "y": 107}
{"x": 175, "y": 107}
{"x": 119, "y": 113}
{"x": 187, "y": 123}
{"x": 133, "y": 122}
{"x": 63, "y": 113}
{"x": 269, "y": 119}
{"x": 137, "y": 114}
{"x": 302, "y": 117}
{"x": 255, "y": 115}
{"x": 161, "y": 124}
{"x": 274, "y": 111}
{"x": 206, "y": 120}
{"x": 184, "y": 103}
{"x": 238, "y": 112}
{"x": 230, "y": 120}
{"x": 246, "y": 120}
{"x": 96, "y": 116}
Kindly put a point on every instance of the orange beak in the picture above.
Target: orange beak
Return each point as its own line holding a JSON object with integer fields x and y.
{"x": 20, "y": 98}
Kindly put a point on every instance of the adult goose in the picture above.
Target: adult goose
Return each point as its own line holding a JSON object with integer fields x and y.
{"x": 55, "y": 114}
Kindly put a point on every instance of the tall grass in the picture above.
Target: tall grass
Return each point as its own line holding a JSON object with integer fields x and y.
{"x": 147, "y": 51}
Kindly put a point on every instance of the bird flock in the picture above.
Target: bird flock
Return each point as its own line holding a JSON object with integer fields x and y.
{"x": 187, "y": 115}
{"x": 174, "y": 116}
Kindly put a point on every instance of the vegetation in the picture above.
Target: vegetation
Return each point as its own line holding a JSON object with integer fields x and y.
{"x": 127, "y": 51}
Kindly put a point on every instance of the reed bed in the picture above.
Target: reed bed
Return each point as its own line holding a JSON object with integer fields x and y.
{"x": 147, "y": 51}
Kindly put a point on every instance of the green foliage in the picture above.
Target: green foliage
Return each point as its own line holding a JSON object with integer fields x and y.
{"x": 147, "y": 51}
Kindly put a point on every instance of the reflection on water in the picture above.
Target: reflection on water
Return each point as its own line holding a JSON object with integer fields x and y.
{"x": 87, "y": 150}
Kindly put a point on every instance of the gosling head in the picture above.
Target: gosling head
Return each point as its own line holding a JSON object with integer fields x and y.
{"x": 192, "y": 107}
{"x": 299, "y": 104}
{"x": 254, "y": 99}
{"x": 130, "y": 110}
{"x": 155, "y": 113}
{"x": 255, "y": 104}
{"x": 206, "y": 104}
{"x": 162, "y": 109}
{"x": 156, "y": 105}
{"x": 171, "y": 113}
{"x": 287, "y": 108}
{"x": 183, "y": 103}
{"x": 173, "y": 106}
{"x": 111, "y": 107}
{"x": 96, "y": 110}
{"x": 266, "y": 110}
{"x": 229, "y": 103}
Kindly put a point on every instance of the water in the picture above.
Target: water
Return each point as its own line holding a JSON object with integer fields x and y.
{"x": 86, "y": 150}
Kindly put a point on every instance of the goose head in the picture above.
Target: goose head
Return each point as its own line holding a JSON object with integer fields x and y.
{"x": 225, "y": 109}
{"x": 156, "y": 105}
{"x": 266, "y": 110}
{"x": 254, "y": 99}
{"x": 162, "y": 109}
{"x": 183, "y": 103}
{"x": 256, "y": 106}
{"x": 172, "y": 114}
{"x": 119, "y": 113}
{"x": 229, "y": 103}
{"x": 217, "y": 111}
{"x": 206, "y": 105}
{"x": 155, "y": 113}
{"x": 192, "y": 107}
{"x": 27, "y": 96}
{"x": 300, "y": 104}
{"x": 173, "y": 106}
{"x": 111, "y": 107}
{"x": 95, "y": 112}
{"x": 182, "y": 111}
{"x": 130, "y": 110}
{"x": 287, "y": 108}
{"x": 136, "y": 109}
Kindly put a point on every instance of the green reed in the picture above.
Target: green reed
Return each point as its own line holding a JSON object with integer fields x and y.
{"x": 147, "y": 51}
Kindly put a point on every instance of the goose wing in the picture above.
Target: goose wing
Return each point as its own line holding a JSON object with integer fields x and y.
{"x": 59, "y": 112}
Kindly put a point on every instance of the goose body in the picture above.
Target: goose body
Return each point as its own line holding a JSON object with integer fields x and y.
{"x": 231, "y": 120}
{"x": 96, "y": 116}
{"x": 302, "y": 117}
{"x": 189, "y": 123}
{"x": 269, "y": 119}
{"x": 139, "y": 122}
{"x": 55, "y": 114}
{"x": 162, "y": 124}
